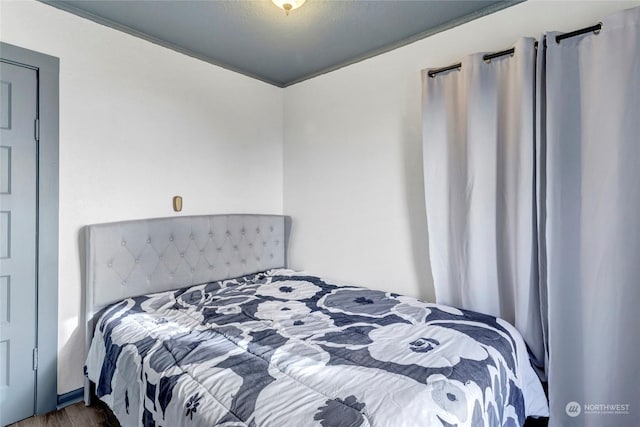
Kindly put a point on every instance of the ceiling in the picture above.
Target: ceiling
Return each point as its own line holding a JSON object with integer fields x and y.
{"x": 257, "y": 39}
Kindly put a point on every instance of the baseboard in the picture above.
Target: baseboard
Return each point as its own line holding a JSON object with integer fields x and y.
{"x": 71, "y": 397}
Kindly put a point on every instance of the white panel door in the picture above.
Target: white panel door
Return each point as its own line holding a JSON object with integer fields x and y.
{"x": 18, "y": 155}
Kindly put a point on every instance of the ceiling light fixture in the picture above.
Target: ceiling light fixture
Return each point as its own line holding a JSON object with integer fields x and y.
{"x": 288, "y": 5}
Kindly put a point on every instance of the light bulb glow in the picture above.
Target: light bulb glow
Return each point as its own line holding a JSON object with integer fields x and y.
{"x": 288, "y": 5}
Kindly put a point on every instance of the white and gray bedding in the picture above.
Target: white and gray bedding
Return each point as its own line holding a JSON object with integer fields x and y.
{"x": 284, "y": 348}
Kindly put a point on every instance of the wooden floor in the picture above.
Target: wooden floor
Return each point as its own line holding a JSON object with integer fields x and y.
{"x": 77, "y": 415}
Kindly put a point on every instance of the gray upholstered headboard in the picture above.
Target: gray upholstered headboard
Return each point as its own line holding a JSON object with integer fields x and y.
{"x": 131, "y": 258}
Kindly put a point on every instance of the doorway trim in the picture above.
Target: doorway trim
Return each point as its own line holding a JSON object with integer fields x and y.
{"x": 48, "y": 69}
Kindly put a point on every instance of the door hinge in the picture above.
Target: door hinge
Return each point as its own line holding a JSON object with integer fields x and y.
{"x": 37, "y": 129}
{"x": 35, "y": 359}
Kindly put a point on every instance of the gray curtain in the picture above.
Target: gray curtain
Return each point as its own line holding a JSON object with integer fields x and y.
{"x": 590, "y": 150}
{"x": 478, "y": 147}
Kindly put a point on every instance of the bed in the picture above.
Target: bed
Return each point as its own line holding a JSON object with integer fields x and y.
{"x": 197, "y": 321}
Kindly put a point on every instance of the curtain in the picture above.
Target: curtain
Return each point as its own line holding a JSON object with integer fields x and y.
{"x": 591, "y": 146}
{"x": 478, "y": 148}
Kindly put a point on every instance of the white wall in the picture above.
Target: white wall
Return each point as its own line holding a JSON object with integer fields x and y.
{"x": 352, "y": 150}
{"x": 138, "y": 124}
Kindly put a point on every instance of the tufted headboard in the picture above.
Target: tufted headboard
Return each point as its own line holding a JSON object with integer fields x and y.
{"x": 131, "y": 258}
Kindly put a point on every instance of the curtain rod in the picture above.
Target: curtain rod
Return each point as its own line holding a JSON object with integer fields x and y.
{"x": 488, "y": 57}
{"x": 436, "y": 71}
{"x": 594, "y": 28}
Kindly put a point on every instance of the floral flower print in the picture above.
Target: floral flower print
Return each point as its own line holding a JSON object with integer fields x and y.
{"x": 288, "y": 290}
{"x": 281, "y": 310}
{"x": 192, "y": 405}
{"x": 303, "y": 327}
{"x": 362, "y": 302}
{"x": 424, "y": 345}
{"x": 450, "y": 396}
{"x": 340, "y": 413}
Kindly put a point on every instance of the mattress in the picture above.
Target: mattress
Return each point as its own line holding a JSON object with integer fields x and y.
{"x": 286, "y": 348}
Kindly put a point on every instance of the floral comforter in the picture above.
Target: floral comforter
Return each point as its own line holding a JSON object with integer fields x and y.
{"x": 282, "y": 348}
